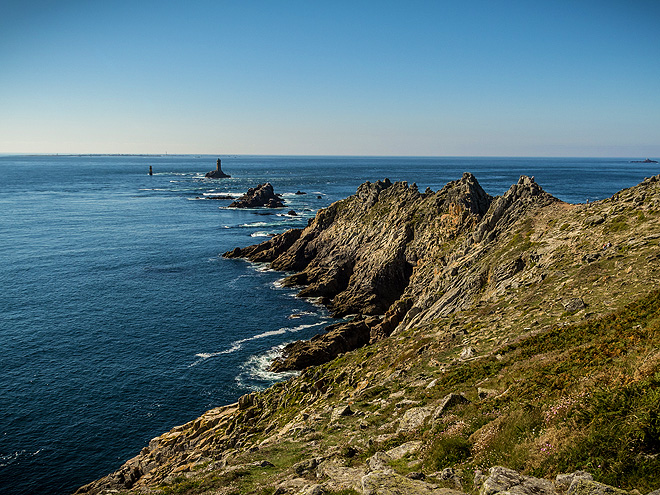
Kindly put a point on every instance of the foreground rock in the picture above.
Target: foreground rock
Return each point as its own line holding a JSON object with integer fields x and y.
{"x": 260, "y": 196}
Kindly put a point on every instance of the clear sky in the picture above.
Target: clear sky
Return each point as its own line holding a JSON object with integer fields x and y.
{"x": 433, "y": 78}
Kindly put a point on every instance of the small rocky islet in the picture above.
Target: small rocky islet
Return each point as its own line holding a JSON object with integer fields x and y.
{"x": 262, "y": 195}
{"x": 495, "y": 344}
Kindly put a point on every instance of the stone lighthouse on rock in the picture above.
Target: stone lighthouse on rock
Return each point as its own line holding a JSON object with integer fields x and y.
{"x": 217, "y": 173}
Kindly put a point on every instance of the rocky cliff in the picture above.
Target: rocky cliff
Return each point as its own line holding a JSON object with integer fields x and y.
{"x": 392, "y": 251}
{"x": 515, "y": 331}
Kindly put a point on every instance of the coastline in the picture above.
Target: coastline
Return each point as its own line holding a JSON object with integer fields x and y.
{"x": 533, "y": 247}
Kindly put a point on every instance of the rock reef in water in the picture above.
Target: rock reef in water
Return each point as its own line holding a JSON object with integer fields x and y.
{"x": 217, "y": 173}
{"x": 261, "y": 196}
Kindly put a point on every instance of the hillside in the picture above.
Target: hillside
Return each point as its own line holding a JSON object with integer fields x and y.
{"x": 515, "y": 331}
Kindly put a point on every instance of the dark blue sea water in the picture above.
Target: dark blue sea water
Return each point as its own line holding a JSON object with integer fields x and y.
{"x": 118, "y": 317}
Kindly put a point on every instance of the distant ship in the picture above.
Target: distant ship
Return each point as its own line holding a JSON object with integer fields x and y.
{"x": 648, "y": 160}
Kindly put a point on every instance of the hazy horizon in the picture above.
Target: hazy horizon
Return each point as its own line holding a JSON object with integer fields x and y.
{"x": 366, "y": 78}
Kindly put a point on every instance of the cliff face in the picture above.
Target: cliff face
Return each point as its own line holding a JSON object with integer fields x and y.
{"x": 517, "y": 330}
{"x": 391, "y": 250}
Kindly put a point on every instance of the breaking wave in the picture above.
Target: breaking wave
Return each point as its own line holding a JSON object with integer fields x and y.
{"x": 238, "y": 344}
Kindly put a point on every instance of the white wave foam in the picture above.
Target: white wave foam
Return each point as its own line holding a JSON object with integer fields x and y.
{"x": 254, "y": 224}
{"x": 256, "y": 375}
{"x": 215, "y": 192}
{"x": 261, "y": 267}
{"x": 300, "y": 314}
{"x": 6, "y": 460}
{"x": 261, "y": 233}
{"x": 238, "y": 344}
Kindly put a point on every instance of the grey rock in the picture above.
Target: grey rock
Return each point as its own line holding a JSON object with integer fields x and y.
{"x": 575, "y": 304}
{"x": 246, "y": 401}
{"x": 340, "y": 411}
{"x": 508, "y": 270}
{"x": 255, "y": 197}
{"x": 379, "y": 461}
{"x": 563, "y": 481}
{"x": 502, "y": 479}
{"x": 467, "y": 353}
{"x": 582, "y": 486}
{"x": 390, "y": 483}
{"x": 449, "y": 401}
{"x": 305, "y": 466}
{"x": 405, "y": 449}
{"x": 414, "y": 418}
{"x": 594, "y": 220}
{"x": 313, "y": 490}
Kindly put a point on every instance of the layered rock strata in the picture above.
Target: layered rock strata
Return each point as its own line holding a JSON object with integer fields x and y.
{"x": 392, "y": 251}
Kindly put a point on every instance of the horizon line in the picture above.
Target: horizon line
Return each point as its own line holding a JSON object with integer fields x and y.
{"x": 229, "y": 155}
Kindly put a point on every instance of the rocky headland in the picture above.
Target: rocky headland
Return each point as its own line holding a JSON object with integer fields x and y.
{"x": 487, "y": 345}
{"x": 261, "y": 196}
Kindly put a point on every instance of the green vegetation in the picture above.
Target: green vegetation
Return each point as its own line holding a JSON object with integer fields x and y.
{"x": 576, "y": 398}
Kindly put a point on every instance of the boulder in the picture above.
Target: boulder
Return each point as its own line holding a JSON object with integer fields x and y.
{"x": 583, "y": 486}
{"x": 414, "y": 418}
{"x": 563, "y": 481}
{"x": 340, "y": 411}
{"x": 449, "y": 401}
{"x": 573, "y": 305}
{"x": 390, "y": 483}
{"x": 379, "y": 461}
{"x": 502, "y": 479}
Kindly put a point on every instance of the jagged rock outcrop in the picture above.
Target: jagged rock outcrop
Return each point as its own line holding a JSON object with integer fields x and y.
{"x": 339, "y": 338}
{"x": 380, "y": 252}
{"x": 217, "y": 173}
{"x": 260, "y": 196}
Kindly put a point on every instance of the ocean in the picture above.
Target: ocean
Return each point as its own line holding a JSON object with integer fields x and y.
{"x": 119, "y": 319}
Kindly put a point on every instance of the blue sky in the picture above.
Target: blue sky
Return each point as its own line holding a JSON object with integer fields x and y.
{"x": 432, "y": 78}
